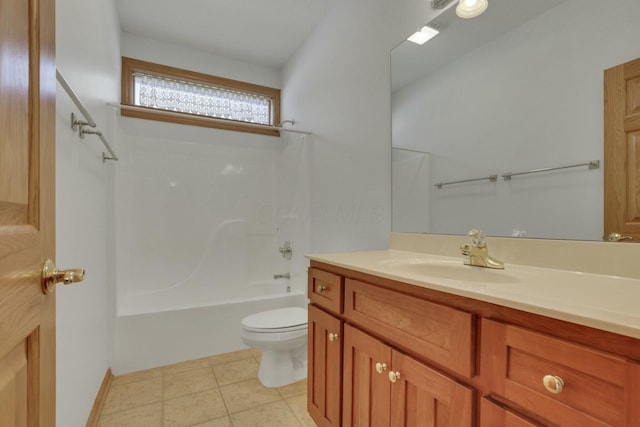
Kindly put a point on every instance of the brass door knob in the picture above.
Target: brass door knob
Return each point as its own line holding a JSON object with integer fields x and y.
{"x": 51, "y": 275}
{"x": 381, "y": 367}
{"x": 616, "y": 237}
{"x": 333, "y": 337}
{"x": 553, "y": 383}
{"x": 394, "y": 376}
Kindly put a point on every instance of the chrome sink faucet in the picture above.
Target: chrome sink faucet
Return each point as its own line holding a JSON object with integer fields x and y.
{"x": 477, "y": 253}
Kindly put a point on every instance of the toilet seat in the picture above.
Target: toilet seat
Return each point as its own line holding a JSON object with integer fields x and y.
{"x": 276, "y": 330}
{"x": 276, "y": 321}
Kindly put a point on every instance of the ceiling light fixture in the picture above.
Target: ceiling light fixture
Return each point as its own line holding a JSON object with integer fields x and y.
{"x": 423, "y": 35}
{"x": 471, "y": 8}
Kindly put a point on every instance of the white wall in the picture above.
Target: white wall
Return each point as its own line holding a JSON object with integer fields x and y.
{"x": 87, "y": 44}
{"x": 146, "y": 49}
{"x": 338, "y": 87}
{"x": 410, "y": 190}
{"x": 531, "y": 99}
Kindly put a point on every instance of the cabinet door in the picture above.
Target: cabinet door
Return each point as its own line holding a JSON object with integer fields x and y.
{"x": 366, "y": 380}
{"x": 324, "y": 367}
{"x": 421, "y": 396}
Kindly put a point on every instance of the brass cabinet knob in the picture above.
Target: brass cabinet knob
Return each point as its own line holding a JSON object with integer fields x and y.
{"x": 381, "y": 367}
{"x": 321, "y": 288}
{"x": 333, "y": 337}
{"x": 553, "y": 383}
{"x": 616, "y": 237}
{"x": 394, "y": 376}
{"x": 51, "y": 275}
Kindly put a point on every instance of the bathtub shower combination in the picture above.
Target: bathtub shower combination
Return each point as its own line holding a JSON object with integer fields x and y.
{"x": 200, "y": 234}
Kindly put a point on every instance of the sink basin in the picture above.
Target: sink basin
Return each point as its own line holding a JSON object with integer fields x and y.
{"x": 449, "y": 270}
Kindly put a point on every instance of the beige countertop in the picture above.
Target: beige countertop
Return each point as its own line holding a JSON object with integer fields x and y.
{"x": 602, "y": 301}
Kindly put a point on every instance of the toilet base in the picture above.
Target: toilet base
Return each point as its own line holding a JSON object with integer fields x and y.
{"x": 281, "y": 367}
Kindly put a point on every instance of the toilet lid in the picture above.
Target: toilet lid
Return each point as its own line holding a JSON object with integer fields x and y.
{"x": 276, "y": 319}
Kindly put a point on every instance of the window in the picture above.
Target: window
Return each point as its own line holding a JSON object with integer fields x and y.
{"x": 197, "y": 99}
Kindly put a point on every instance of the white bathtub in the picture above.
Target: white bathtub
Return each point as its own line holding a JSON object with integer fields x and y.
{"x": 159, "y": 328}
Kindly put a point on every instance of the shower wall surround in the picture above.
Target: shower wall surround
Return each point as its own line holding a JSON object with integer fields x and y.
{"x": 205, "y": 212}
{"x": 200, "y": 217}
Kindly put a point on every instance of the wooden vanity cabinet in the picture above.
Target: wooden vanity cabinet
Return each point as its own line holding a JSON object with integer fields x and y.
{"x": 325, "y": 337}
{"x": 381, "y": 385}
{"x": 457, "y": 361}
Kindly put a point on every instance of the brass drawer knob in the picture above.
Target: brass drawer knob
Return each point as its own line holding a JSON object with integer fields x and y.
{"x": 333, "y": 337}
{"x": 553, "y": 383}
{"x": 381, "y": 367}
{"x": 321, "y": 288}
{"x": 394, "y": 376}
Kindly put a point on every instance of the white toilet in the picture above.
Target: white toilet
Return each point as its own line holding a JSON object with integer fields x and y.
{"x": 281, "y": 334}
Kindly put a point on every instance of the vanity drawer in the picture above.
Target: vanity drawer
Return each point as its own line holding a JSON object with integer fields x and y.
{"x": 325, "y": 290}
{"x": 492, "y": 414}
{"x": 585, "y": 387}
{"x": 432, "y": 332}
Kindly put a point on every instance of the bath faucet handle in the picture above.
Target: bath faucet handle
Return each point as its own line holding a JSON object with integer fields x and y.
{"x": 286, "y": 251}
{"x": 465, "y": 248}
{"x": 477, "y": 237}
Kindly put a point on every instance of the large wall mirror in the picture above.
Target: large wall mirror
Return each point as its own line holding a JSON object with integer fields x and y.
{"x": 517, "y": 89}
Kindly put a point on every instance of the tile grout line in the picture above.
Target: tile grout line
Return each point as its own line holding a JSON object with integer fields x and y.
{"x": 260, "y": 406}
{"x": 224, "y": 402}
{"x": 162, "y": 396}
{"x": 250, "y": 360}
{"x": 294, "y": 413}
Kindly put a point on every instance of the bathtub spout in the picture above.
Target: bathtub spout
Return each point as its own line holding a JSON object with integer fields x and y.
{"x": 282, "y": 276}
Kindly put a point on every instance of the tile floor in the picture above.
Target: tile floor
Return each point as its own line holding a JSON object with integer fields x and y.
{"x": 217, "y": 391}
